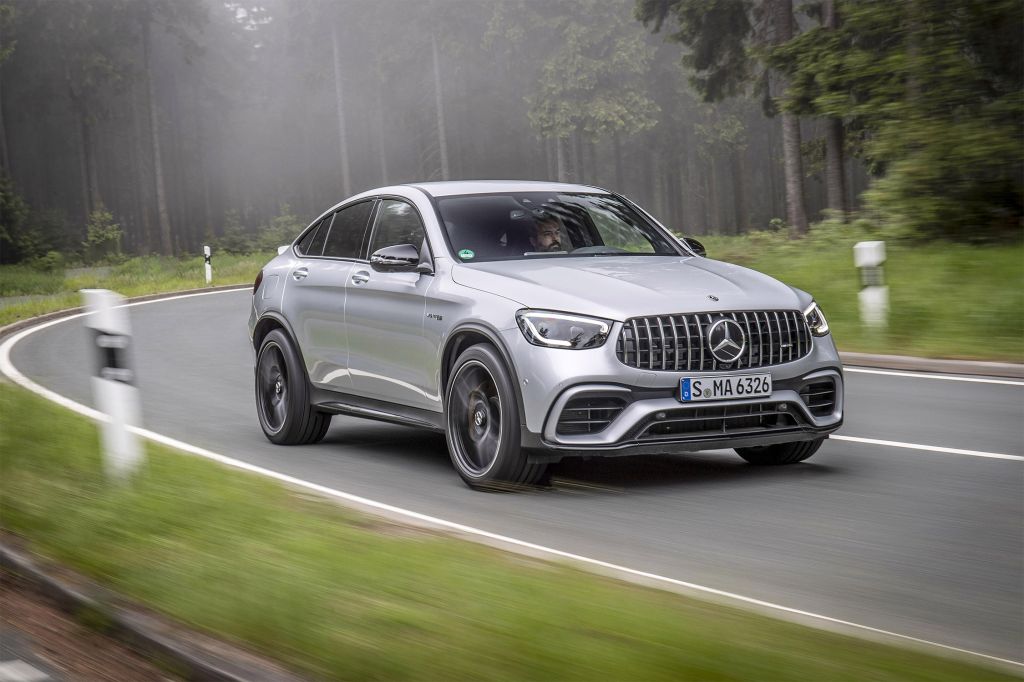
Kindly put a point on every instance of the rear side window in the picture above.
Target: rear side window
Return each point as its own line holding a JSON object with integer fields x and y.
{"x": 397, "y": 223}
{"x": 347, "y": 232}
{"x": 304, "y": 244}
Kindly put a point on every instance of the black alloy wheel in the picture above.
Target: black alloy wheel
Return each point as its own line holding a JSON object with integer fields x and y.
{"x": 482, "y": 416}
{"x": 282, "y": 395}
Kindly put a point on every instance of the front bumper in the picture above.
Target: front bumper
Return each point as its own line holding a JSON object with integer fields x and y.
{"x": 649, "y": 417}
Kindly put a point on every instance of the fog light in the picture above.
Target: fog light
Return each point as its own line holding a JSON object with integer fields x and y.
{"x": 660, "y": 415}
{"x": 783, "y": 407}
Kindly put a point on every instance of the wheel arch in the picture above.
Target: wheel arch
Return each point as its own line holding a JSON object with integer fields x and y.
{"x": 470, "y": 334}
{"x": 267, "y": 323}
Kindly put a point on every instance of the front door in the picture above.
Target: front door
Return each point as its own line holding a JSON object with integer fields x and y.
{"x": 384, "y": 311}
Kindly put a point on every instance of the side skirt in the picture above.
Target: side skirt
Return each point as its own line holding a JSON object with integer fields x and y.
{"x": 379, "y": 410}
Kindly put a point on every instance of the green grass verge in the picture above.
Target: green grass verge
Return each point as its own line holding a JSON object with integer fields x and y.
{"x": 338, "y": 595}
{"x": 946, "y": 300}
{"x": 135, "y": 277}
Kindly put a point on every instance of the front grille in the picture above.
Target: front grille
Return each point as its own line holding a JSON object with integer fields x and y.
{"x": 820, "y": 397}
{"x": 588, "y": 415}
{"x": 716, "y": 421}
{"x": 680, "y": 342}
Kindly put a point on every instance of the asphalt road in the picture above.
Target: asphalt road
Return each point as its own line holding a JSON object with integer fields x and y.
{"x": 917, "y": 542}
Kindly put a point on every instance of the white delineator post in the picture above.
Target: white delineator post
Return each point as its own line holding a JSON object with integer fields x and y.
{"x": 874, "y": 294}
{"x": 113, "y": 383}
{"x": 208, "y": 266}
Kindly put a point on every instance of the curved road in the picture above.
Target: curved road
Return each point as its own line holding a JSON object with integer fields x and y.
{"x": 923, "y": 543}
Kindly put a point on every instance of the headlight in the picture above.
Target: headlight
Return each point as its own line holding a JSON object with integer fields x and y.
{"x": 816, "y": 319}
{"x": 559, "y": 330}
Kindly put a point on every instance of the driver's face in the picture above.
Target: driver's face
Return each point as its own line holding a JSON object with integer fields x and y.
{"x": 547, "y": 238}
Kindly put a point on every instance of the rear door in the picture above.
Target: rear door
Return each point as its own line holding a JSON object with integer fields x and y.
{"x": 318, "y": 293}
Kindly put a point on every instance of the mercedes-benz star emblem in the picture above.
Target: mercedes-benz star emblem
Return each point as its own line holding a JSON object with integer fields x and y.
{"x": 727, "y": 340}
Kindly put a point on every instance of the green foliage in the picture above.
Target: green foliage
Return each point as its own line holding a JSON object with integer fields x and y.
{"x": 102, "y": 237}
{"x": 935, "y": 92}
{"x": 234, "y": 238}
{"x": 281, "y": 230}
{"x": 716, "y": 33}
{"x": 593, "y": 80}
{"x": 13, "y": 214}
{"x": 53, "y": 261}
{"x": 27, "y": 234}
{"x": 946, "y": 300}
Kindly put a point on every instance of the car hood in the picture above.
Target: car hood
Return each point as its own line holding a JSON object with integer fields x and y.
{"x": 618, "y": 288}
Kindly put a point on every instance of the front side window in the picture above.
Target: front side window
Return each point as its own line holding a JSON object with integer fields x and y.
{"x": 347, "y": 231}
{"x": 543, "y": 224}
{"x": 397, "y": 223}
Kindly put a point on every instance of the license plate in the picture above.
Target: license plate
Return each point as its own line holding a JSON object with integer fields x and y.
{"x": 692, "y": 389}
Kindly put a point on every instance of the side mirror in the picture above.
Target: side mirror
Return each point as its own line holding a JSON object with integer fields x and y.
{"x": 282, "y": 249}
{"x": 398, "y": 258}
{"x": 695, "y": 246}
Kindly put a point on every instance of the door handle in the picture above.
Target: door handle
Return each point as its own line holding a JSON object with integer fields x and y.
{"x": 300, "y": 273}
{"x": 360, "y": 277}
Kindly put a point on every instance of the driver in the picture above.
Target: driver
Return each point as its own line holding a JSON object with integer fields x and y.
{"x": 547, "y": 235}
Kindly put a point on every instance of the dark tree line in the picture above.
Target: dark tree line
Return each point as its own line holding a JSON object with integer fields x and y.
{"x": 165, "y": 124}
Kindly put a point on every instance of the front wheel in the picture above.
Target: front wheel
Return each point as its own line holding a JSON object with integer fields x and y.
{"x": 282, "y": 395}
{"x": 781, "y": 453}
{"x": 482, "y": 417}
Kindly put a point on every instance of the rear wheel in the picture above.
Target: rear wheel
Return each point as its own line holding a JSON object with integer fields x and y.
{"x": 482, "y": 417}
{"x": 781, "y": 453}
{"x": 282, "y": 395}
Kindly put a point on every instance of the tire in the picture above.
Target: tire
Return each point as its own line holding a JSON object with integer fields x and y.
{"x": 282, "y": 395}
{"x": 782, "y": 453}
{"x": 482, "y": 420}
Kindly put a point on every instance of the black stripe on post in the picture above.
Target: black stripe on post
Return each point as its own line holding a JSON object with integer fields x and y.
{"x": 112, "y": 356}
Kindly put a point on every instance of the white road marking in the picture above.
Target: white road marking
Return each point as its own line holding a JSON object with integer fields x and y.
{"x": 514, "y": 544}
{"x": 20, "y": 671}
{"x": 929, "y": 375}
{"x": 933, "y": 448}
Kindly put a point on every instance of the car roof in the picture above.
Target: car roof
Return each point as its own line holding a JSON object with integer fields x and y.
{"x": 452, "y": 188}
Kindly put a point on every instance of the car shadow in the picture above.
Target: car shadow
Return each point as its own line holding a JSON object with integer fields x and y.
{"x": 420, "y": 448}
{"x": 623, "y": 474}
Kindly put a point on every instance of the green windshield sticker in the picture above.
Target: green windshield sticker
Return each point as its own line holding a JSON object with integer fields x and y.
{"x": 466, "y": 254}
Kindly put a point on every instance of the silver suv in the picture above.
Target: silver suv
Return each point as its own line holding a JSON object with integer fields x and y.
{"x": 534, "y": 321}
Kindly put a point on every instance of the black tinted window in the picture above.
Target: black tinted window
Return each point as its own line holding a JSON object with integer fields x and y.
{"x": 397, "y": 223}
{"x": 306, "y": 242}
{"x": 347, "y": 232}
{"x": 316, "y": 247}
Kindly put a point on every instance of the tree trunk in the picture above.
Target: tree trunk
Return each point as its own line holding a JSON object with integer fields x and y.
{"x": 142, "y": 178}
{"x": 93, "y": 199}
{"x": 164, "y": 220}
{"x": 442, "y": 142}
{"x": 782, "y": 19}
{"x": 617, "y": 144}
{"x": 346, "y": 178}
{"x": 835, "y": 177}
{"x": 5, "y": 159}
{"x": 739, "y": 199}
{"x": 382, "y": 151}
{"x": 560, "y": 161}
{"x": 710, "y": 200}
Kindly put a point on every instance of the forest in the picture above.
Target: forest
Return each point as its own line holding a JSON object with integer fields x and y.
{"x": 156, "y": 126}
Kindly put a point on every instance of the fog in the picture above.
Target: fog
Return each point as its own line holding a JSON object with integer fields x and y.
{"x": 304, "y": 102}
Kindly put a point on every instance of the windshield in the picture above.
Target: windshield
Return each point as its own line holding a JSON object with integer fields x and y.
{"x": 547, "y": 225}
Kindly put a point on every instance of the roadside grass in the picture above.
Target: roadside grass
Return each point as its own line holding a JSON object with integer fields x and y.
{"x": 946, "y": 300}
{"x": 339, "y": 595}
{"x": 55, "y": 290}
